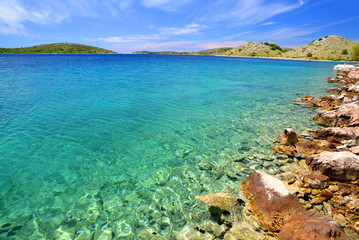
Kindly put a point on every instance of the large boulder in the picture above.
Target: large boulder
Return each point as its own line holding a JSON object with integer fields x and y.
{"x": 308, "y": 148}
{"x": 270, "y": 200}
{"x": 346, "y": 115}
{"x": 336, "y": 165}
{"x": 311, "y": 225}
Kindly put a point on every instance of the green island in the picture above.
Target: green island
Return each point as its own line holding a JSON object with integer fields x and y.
{"x": 332, "y": 48}
{"x": 58, "y": 48}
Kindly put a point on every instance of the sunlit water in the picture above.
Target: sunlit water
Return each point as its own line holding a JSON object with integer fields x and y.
{"x": 123, "y": 143}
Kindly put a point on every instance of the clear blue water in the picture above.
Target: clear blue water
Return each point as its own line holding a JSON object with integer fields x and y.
{"x": 123, "y": 143}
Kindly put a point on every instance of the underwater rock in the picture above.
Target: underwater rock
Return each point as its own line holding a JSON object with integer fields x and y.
{"x": 336, "y": 165}
{"x": 270, "y": 200}
{"x": 103, "y": 235}
{"x": 190, "y": 233}
{"x": 221, "y": 200}
{"x": 311, "y": 225}
{"x": 346, "y": 115}
{"x": 288, "y": 137}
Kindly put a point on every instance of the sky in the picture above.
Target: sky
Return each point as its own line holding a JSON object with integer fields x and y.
{"x": 125, "y": 26}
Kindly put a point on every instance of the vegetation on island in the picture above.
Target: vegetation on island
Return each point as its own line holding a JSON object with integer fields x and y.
{"x": 331, "y": 47}
{"x": 213, "y": 51}
{"x": 58, "y": 48}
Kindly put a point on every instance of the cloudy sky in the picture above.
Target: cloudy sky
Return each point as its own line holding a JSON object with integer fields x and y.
{"x": 183, "y": 25}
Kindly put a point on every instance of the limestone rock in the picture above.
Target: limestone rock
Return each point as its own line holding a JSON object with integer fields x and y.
{"x": 311, "y": 225}
{"x": 270, "y": 200}
{"x": 312, "y": 147}
{"x": 337, "y": 134}
{"x": 354, "y": 87}
{"x": 288, "y": 137}
{"x": 346, "y": 115}
{"x": 336, "y": 165}
{"x": 343, "y": 68}
{"x": 287, "y": 150}
{"x": 315, "y": 180}
{"x": 223, "y": 201}
{"x": 353, "y": 75}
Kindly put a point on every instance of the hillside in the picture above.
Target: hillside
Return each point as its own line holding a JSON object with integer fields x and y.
{"x": 62, "y": 48}
{"x": 256, "y": 49}
{"x": 328, "y": 48}
{"x": 213, "y": 51}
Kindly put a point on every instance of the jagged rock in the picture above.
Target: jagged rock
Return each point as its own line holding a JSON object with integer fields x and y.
{"x": 288, "y": 137}
{"x": 223, "y": 201}
{"x": 270, "y": 200}
{"x": 311, "y": 225}
{"x": 336, "y": 165}
{"x": 287, "y": 150}
{"x": 353, "y": 75}
{"x": 312, "y": 147}
{"x": 354, "y": 87}
{"x": 337, "y": 134}
{"x": 346, "y": 115}
{"x": 306, "y": 99}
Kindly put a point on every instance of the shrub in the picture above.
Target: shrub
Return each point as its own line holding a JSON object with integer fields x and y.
{"x": 252, "y": 54}
{"x": 345, "y": 52}
{"x": 355, "y": 54}
{"x": 320, "y": 39}
{"x": 309, "y": 54}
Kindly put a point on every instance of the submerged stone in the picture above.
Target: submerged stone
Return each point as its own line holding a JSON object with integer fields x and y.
{"x": 223, "y": 201}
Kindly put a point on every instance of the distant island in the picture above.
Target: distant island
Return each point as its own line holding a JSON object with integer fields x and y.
{"x": 333, "y": 48}
{"x": 58, "y": 48}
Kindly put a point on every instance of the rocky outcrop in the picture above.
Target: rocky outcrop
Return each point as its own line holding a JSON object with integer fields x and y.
{"x": 311, "y": 225}
{"x": 343, "y": 68}
{"x": 270, "y": 200}
{"x": 346, "y": 115}
{"x": 337, "y": 134}
{"x": 336, "y": 165}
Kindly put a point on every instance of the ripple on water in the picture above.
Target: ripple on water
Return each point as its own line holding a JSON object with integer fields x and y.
{"x": 120, "y": 145}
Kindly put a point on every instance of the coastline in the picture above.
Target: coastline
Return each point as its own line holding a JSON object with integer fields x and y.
{"x": 320, "y": 193}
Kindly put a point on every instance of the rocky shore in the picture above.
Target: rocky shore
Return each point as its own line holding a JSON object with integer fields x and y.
{"x": 316, "y": 197}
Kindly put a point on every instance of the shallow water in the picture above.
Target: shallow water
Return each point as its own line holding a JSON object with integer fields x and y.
{"x": 123, "y": 143}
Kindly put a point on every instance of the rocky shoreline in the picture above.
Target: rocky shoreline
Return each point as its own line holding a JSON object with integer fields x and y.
{"x": 316, "y": 197}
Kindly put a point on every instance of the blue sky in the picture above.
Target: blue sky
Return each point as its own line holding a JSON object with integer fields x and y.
{"x": 183, "y": 25}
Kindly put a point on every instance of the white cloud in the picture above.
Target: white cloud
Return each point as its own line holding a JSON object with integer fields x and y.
{"x": 167, "y": 5}
{"x": 246, "y": 12}
{"x": 269, "y": 23}
{"x": 189, "y": 29}
{"x": 15, "y": 14}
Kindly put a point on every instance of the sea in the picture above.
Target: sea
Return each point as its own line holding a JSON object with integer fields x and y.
{"x": 121, "y": 144}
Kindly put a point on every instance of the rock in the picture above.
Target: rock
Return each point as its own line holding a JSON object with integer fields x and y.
{"x": 312, "y": 147}
{"x": 223, "y": 201}
{"x": 353, "y": 75}
{"x": 336, "y": 165}
{"x": 346, "y": 115}
{"x": 343, "y": 68}
{"x": 103, "y": 235}
{"x": 270, "y": 200}
{"x": 288, "y": 137}
{"x": 337, "y": 134}
{"x": 287, "y": 150}
{"x": 315, "y": 180}
{"x": 354, "y": 87}
{"x": 213, "y": 228}
{"x": 306, "y": 99}
{"x": 341, "y": 219}
{"x": 311, "y": 225}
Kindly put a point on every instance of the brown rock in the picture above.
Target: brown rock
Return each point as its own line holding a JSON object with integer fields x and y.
{"x": 354, "y": 75}
{"x": 288, "y": 137}
{"x": 223, "y": 201}
{"x": 336, "y": 165}
{"x": 287, "y": 150}
{"x": 346, "y": 115}
{"x": 270, "y": 200}
{"x": 337, "y": 134}
{"x": 311, "y": 225}
{"x": 315, "y": 180}
{"x": 326, "y": 194}
{"x": 312, "y": 147}
{"x": 306, "y": 99}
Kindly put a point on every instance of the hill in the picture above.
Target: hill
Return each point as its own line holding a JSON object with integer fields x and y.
{"x": 213, "y": 51}
{"x": 62, "y": 48}
{"x": 328, "y": 48}
{"x": 256, "y": 49}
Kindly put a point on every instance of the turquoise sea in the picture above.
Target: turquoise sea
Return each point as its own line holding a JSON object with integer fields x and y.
{"x": 122, "y": 143}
